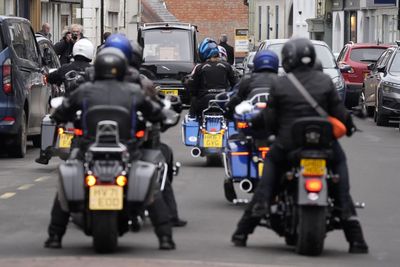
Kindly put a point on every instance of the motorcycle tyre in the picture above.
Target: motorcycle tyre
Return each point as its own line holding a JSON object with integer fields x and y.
{"x": 213, "y": 160}
{"x": 105, "y": 231}
{"x": 311, "y": 230}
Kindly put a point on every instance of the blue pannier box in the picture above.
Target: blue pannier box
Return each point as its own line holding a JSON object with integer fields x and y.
{"x": 190, "y": 130}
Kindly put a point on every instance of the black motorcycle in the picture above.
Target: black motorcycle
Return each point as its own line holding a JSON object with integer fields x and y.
{"x": 109, "y": 185}
{"x": 304, "y": 210}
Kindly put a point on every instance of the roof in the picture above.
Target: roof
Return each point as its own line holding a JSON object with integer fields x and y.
{"x": 12, "y": 17}
{"x": 281, "y": 41}
{"x": 356, "y": 45}
{"x": 160, "y": 9}
{"x": 170, "y": 24}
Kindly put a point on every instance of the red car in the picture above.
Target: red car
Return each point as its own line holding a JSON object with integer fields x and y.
{"x": 353, "y": 62}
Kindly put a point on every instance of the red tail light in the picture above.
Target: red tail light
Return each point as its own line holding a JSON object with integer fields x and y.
{"x": 8, "y": 118}
{"x": 313, "y": 185}
{"x": 140, "y": 134}
{"x": 7, "y": 71}
{"x": 242, "y": 125}
{"x": 78, "y": 132}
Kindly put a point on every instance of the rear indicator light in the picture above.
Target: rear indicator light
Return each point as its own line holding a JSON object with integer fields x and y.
{"x": 60, "y": 131}
{"x": 7, "y": 75}
{"x": 313, "y": 185}
{"x": 242, "y": 125}
{"x": 240, "y": 153}
{"x": 121, "y": 180}
{"x": 90, "y": 180}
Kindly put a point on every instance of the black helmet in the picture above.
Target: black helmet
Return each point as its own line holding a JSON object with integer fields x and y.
{"x": 110, "y": 63}
{"x": 318, "y": 65}
{"x": 296, "y": 53}
{"x": 137, "y": 55}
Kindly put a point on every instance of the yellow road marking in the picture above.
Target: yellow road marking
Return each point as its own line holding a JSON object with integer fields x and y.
{"x": 25, "y": 186}
{"x": 7, "y": 195}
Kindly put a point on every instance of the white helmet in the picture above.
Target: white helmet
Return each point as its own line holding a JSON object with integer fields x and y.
{"x": 222, "y": 53}
{"x": 83, "y": 47}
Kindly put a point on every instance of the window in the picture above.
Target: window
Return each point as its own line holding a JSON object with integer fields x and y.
{"x": 167, "y": 45}
{"x": 23, "y": 43}
{"x": 366, "y": 55}
{"x": 113, "y": 21}
{"x": 276, "y": 22}
{"x": 259, "y": 22}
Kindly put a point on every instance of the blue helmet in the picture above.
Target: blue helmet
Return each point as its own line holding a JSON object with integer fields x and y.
{"x": 120, "y": 41}
{"x": 266, "y": 60}
{"x": 207, "y": 49}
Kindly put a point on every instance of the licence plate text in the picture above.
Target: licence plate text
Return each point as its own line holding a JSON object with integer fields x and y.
{"x": 65, "y": 140}
{"x": 105, "y": 197}
{"x": 313, "y": 167}
{"x": 169, "y": 92}
{"x": 212, "y": 140}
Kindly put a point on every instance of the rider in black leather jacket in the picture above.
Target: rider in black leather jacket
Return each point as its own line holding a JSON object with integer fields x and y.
{"x": 285, "y": 105}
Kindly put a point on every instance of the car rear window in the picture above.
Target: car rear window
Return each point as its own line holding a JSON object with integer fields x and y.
{"x": 366, "y": 55}
{"x": 323, "y": 54}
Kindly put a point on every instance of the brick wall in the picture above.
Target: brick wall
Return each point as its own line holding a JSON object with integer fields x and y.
{"x": 211, "y": 17}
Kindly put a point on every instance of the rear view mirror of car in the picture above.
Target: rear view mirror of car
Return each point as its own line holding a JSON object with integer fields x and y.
{"x": 345, "y": 68}
{"x": 381, "y": 69}
{"x": 250, "y": 65}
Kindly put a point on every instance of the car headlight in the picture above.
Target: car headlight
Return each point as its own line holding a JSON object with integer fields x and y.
{"x": 338, "y": 82}
{"x": 388, "y": 87}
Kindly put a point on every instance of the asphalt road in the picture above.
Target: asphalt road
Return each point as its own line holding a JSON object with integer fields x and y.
{"x": 27, "y": 191}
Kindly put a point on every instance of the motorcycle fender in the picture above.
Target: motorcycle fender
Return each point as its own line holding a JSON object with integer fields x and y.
{"x": 47, "y": 132}
{"x": 312, "y": 199}
{"x": 142, "y": 178}
{"x": 71, "y": 189}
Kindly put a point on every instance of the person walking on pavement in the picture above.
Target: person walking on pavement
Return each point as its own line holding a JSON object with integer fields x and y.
{"x": 223, "y": 41}
{"x": 45, "y": 31}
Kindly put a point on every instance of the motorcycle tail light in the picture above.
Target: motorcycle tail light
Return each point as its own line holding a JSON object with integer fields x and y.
{"x": 78, "y": 132}
{"x": 140, "y": 134}
{"x": 264, "y": 151}
{"x": 121, "y": 180}
{"x": 90, "y": 180}
{"x": 242, "y": 125}
{"x": 313, "y": 185}
{"x": 261, "y": 105}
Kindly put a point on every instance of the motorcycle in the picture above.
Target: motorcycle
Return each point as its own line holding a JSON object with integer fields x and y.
{"x": 209, "y": 133}
{"x": 304, "y": 210}
{"x": 56, "y": 139}
{"x": 109, "y": 185}
{"x": 246, "y": 150}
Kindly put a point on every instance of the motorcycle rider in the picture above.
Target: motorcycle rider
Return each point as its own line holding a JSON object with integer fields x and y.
{"x": 266, "y": 64}
{"x": 285, "y": 105}
{"x": 211, "y": 77}
{"x": 108, "y": 88}
{"x": 134, "y": 54}
{"x": 82, "y": 52}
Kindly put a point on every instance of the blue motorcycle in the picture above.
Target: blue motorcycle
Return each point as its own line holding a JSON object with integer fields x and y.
{"x": 208, "y": 134}
{"x": 246, "y": 150}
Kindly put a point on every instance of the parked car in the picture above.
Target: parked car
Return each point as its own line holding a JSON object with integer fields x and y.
{"x": 324, "y": 54}
{"x": 24, "y": 97}
{"x": 382, "y": 87}
{"x": 353, "y": 61}
{"x": 52, "y": 62}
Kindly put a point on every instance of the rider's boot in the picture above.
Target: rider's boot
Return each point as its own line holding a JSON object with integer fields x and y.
{"x": 354, "y": 235}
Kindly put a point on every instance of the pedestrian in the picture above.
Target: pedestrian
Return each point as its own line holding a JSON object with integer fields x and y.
{"x": 45, "y": 31}
{"x": 64, "y": 47}
{"x": 223, "y": 41}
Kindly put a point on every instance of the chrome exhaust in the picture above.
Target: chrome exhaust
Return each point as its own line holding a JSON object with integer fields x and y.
{"x": 246, "y": 185}
{"x": 195, "y": 152}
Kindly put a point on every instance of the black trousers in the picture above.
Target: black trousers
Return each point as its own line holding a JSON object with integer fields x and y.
{"x": 275, "y": 164}
{"x": 158, "y": 213}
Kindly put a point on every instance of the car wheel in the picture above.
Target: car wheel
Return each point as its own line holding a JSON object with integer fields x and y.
{"x": 18, "y": 149}
{"x": 37, "y": 140}
{"x": 380, "y": 119}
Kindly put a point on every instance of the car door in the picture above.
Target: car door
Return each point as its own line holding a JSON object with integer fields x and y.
{"x": 373, "y": 78}
{"x": 29, "y": 66}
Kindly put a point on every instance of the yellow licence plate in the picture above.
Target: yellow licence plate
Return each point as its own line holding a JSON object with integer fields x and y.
{"x": 212, "y": 140}
{"x": 313, "y": 167}
{"x": 105, "y": 197}
{"x": 169, "y": 92}
{"x": 260, "y": 169}
{"x": 65, "y": 140}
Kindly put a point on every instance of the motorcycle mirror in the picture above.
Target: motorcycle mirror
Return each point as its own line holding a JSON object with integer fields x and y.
{"x": 243, "y": 108}
{"x": 56, "y": 102}
{"x": 52, "y": 70}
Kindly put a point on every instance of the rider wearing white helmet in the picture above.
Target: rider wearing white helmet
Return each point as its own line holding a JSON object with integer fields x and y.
{"x": 82, "y": 53}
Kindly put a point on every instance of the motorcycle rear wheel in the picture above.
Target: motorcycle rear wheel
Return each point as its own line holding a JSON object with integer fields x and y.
{"x": 213, "y": 160}
{"x": 311, "y": 230}
{"x": 105, "y": 231}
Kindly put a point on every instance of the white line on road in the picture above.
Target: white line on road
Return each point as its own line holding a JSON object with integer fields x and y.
{"x": 41, "y": 179}
{"x": 7, "y": 195}
{"x": 25, "y": 186}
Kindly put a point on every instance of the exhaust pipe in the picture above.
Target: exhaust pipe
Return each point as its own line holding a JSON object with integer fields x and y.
{"x": 246, "y": 185}
{"x": 195, "y": 152}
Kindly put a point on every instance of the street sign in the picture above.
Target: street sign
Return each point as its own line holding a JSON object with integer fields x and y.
{"x": 241, "y": 40}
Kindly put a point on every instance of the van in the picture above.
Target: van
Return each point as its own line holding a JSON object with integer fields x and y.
{"x": 24, "y": 94}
